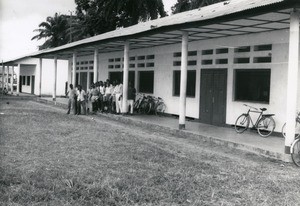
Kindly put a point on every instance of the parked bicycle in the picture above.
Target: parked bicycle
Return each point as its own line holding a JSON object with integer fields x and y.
{"x": 142, "y": 105}
{"x": 264, "y": 124}
{"x": 160, "y": 106}
{"x": 297, "y": 127}
{"x": 295, "y": 148}
{"x": 149, "y": 105}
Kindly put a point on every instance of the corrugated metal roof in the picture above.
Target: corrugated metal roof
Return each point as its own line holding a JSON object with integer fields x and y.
{"x": 197, "y": 15}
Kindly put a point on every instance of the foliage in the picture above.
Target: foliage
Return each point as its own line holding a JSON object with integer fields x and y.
{"x": 105, "y": 15}
{"x": 186, "y": 5}
{"x": 54, "y": 30}
{"x": 94, "y": 17}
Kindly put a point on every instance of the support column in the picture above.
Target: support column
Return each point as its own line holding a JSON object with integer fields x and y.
{"x": 55, "y": 78}
{"x": 6, "y": 75}
{"x": 292, "y": 81}
{"x": 18, "y": 72}
{"x": 125, "y": 77}
{"x": 74, "y": 69}
{"x": 12, "y": 79}
{"x": 40, "y": 76}
{"x": 3, "y": 68}
{"x": 69, "y": 72}
{"x": 95, "y": 65}
{"x": 183, "y": 80}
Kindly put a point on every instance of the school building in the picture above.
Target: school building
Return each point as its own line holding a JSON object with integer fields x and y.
{"x": 205, "y": 63}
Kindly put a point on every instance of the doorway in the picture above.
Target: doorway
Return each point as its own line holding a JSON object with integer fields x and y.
{"x": 32, "y": 84}
{"x": 213, "y": 94}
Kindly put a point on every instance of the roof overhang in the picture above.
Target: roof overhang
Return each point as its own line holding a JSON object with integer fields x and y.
{"x": 229, "y": 18}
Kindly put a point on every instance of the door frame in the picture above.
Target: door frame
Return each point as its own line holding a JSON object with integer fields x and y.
{"x": 225, "y": 98}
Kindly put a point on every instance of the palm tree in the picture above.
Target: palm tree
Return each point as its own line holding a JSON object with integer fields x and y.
{"x": 54, "y": 30}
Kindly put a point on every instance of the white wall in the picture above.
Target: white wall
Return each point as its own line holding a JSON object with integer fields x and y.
{"x": 163, "y": 75}
{"x": 30, "y": 66}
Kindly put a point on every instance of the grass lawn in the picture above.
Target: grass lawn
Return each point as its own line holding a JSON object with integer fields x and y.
{"x": 50, "y": 158}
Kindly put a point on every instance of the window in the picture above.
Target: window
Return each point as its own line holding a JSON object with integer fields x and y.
{"x": 177, "y": 54}
{"x": 28, "y": 81}
{"x": 242, "y": 49}
{"x": 262, "y": 59}
{"x": 141, "y": 65}
{"x": 113, "y": 76}
{"x": 241, "y": 60}
{"x": 264, "y": 47}
{"x": 150, "y": 56}
{"x": 207, "y": 52}
{"x": 221, "y": 61}
{"x": 207, "y": 62}
{"x": 222, "y": 51}
{"x": 150, "y": 64}
{"x": 141, "y": 58}
{"x": 192, "y": 53}
{"x": 252, "y": 85}
{"x": 192, "y": 62}
{"x": 191, "y": 83}
{"x": 146, "y": 81}
{"x": 23, "y": 80}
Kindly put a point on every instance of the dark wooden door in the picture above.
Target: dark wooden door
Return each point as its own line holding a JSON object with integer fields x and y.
{"x": 32, "y": 84}
{"x": 83, "y": 80}
{"x": 213, "y": 96}
{"x": 20, "y": 84}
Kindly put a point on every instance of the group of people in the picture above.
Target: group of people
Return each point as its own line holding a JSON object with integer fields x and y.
{"x": 102, "y": 96}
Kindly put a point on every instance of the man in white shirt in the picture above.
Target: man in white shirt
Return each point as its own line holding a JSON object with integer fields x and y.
{"x": 81, "y": 95}
{"x": 118, "y": 91}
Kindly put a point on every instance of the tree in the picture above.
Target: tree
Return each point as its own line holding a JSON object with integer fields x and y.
{"x": 54, "y": 30}
{"x": 186, "y": 5}
{"x": 105, "y": 15}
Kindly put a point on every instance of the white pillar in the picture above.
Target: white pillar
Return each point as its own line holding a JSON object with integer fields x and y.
{"x": 3, "y": 68}
{"x": 69, "y": 72}
{"x": 6, "y": 79}
{"x": 18, "y": 73}
{"x": 125, "y": 77}
{"x": 95, "y": 65}
{"x": 183, "y": 80}
{"x": 40, "y": 76}
{"x": 292, "y": 81}
{"x": 12, "y": 80}
{"x": 74, "y": 69}
{"x": 55, "y": 78}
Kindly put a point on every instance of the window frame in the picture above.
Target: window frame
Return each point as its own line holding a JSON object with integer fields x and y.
{"x": 142, "y": 88}
{"x": 176, "y": 80}
{"x": 254, "y": 76}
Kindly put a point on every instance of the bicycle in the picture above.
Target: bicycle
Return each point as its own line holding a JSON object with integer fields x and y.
{"x": 297, "y": 127}
{"x": 264, "y": 124}
{"x": 159, "y": 107}
{"x": 295, "y": 152}
{"x": 142, "y": 105}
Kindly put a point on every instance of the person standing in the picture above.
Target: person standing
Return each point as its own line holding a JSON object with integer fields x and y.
{"x": 71, "y": 102}
{"x": 131, "y": 97}
{"x": 94, "y": 98}
{"x": 81, "y": 95}
{"x": 118, "y": 92}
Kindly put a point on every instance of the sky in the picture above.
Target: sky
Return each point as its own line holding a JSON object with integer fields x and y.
{"x": 18, "y": 19}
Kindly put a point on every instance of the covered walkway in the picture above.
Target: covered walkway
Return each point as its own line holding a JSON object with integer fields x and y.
{"x": 271, "y": 147}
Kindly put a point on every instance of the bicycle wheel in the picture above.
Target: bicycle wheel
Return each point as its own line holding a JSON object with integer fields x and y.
{"x": 160, "y": 108}
{"x": 265, "y": 126}
{"x": 295, "y": 152}
{"x": 297, "y": 130}
{"x": 242, "y": 123}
